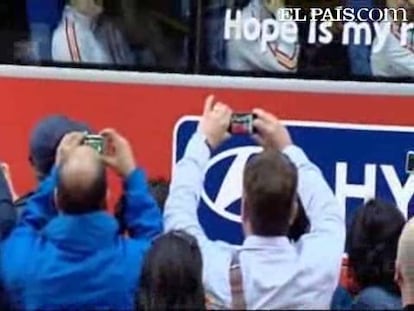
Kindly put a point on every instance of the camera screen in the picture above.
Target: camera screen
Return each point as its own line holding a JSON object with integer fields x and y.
{"x": 242, "y": 124}
{"x": 410, "y": 163}
{"x": 95, "y": 143}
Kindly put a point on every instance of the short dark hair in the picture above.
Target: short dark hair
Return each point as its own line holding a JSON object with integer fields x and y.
{"x": 269, "y": 185}
{"x": 160, "y": 188}
{"x": 373, "y": 242}
{"x": 83, "y": 200}
{"x": 172, "y": 275}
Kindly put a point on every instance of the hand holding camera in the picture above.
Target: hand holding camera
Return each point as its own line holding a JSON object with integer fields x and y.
{"x": 68, "y": 143}
{"x": 218, "y": 123}
{"x": 118, "y": 153}
{"x": 271, "y": 133}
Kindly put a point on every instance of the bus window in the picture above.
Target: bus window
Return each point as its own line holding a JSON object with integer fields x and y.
{"x": 112, "y": 34}
{"x": 253, "y": 37}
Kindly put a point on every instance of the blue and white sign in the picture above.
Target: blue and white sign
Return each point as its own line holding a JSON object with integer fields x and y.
{"x": 359, "y": 162}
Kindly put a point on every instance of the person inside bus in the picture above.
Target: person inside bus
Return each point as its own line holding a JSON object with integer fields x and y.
{"x": 372, "y": 249}
{"x": 71, "y": 257}
{"x": 268, "y": 271}
{"x": 360, "y": 54}
{"x": 394, "y": 59}
{"x": 43, "y": 17}
{"x": 172, "y": 277}
{"x": 247, "y": 55}
{"x": 86, "y": 35}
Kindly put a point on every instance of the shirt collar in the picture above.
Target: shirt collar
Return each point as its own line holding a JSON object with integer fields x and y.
{"x": 82, "y": 19}
{"x": 255, "y": 241}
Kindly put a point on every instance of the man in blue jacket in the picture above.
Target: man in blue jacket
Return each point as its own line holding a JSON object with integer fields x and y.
{"x": 73, "y": 257}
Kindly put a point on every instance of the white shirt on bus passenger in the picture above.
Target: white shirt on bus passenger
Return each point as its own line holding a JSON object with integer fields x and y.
{"x": 277, "y": 274}
{"x": 83, "y": 39}
{"x": 244, "y": 55}
{"x": 394, "y": 59}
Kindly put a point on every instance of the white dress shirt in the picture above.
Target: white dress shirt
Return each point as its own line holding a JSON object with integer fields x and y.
{"x": 394, "y": 59}
{"x": 83, "y": 39}
{"x": 276, "y": 273}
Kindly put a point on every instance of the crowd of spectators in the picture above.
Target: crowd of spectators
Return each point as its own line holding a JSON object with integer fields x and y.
{"x": 62, "y": 250}
{"x": 189, "y": 36}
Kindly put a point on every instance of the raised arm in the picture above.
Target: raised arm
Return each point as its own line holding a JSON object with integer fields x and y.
{"x": 322, "y": 248}
{"x": 142, "y": 216}
{"x": 187, "y": 181}
{"x": 7, "y": 211}
{"x": 188, "y": 176}
{"x": 39, "y": 209}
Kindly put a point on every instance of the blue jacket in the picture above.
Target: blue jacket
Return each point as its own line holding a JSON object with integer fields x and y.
{"x": 53, "y": 261}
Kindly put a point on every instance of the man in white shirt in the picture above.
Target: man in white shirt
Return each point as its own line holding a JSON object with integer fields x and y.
{"x": 85, "y": 35}
{"x": 395, "y": 59}
{"x": 245, "y": 55}
{"x": 276, "y": 274}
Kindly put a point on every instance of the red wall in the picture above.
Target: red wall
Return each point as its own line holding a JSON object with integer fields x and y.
{"x": 147, "y": 114}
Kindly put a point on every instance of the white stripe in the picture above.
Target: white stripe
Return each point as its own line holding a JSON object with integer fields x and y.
{"x": 188, "y": 80}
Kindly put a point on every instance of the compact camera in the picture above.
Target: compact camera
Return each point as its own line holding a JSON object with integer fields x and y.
{"x": 95, "y": 141}
{"x": 242, "y": 124}
{"x": 409, "y": 163}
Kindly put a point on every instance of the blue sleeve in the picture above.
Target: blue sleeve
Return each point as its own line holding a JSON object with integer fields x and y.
{"x": 40, "y": 209}
{"x": 7, "y": 210}
{"x": 142, "y": 214}
{"x": 47, "y": 12}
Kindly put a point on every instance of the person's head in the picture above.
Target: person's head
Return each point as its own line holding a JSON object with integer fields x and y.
{"x": 172, "y": 274}
{"x": 269, "y": 200}
{"x": 160, "y": 189}
{"x": 372, "y": 243}
{"x": 404, "y": 272}
{"x": 82, "y": 183}
{"x": 45, "y": 139}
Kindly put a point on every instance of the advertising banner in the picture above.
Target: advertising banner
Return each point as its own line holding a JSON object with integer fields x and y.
{"x": 359, "y": 162}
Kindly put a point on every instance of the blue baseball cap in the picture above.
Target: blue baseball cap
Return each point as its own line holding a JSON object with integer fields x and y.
{"x": 45, "y": 139}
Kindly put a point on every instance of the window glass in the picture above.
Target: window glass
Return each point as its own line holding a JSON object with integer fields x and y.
{"x": 329, "y": 39}
{"x": 145, "y": 34}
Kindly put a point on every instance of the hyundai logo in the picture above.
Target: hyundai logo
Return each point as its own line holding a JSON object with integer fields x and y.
{"x": 231, "y": 186}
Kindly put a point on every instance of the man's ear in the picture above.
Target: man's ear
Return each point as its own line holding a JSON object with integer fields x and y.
{"x": 243, "y": 213}
{"x": 294, "y": 213}
{"x": 398, "y": 278}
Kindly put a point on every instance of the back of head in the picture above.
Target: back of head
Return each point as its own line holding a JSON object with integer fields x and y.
{"x": 82, "y": 182}
{"x": 269, "y": 193}
{"x": 372, "y": 243}
{"x": 45, "y": 139}
{"x": 172, "y": 274}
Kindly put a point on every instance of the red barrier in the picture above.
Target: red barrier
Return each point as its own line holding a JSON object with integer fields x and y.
{"x": 146, "y": 114}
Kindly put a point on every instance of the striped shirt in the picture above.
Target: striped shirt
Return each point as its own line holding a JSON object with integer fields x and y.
{"x": 83, "y": 39}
